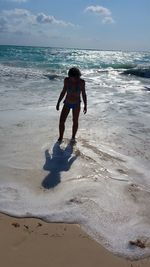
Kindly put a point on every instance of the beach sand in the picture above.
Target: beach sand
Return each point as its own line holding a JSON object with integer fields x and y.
{"x": 32, "y": 242}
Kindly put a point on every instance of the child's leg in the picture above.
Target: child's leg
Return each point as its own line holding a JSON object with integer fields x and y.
{"x": 75, "y": 114}
{"x": 63, "y": 117}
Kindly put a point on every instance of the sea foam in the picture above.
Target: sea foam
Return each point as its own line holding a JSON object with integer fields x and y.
{"x": 101, "y": 183}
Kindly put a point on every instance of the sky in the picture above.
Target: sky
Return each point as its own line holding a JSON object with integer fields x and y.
{"x": 89, "y": 24}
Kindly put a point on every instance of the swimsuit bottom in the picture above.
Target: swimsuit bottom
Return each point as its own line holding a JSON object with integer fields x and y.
{"x": 70, "y": 105}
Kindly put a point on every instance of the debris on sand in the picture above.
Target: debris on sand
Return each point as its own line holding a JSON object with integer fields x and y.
{"x": 137, "y": 243}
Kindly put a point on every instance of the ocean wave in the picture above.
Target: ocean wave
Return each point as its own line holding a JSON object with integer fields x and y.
{"x": 121, "y": 66}
{"x": 140, "y": 72}
{"x": 26, "y": 73}
{"x": 52, "y": 76}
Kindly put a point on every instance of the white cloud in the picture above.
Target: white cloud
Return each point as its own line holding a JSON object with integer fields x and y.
{"x": 42, "y": 18}
{"x": 16, "y": 13}
{"x": 108, "y": 20}
{"x": 16, "y": 20}
{"x": 3, "y": 24}
{"x": 99, "y": 9}
{"x": 17, "y": 1}
{"x": 103, "y": 11}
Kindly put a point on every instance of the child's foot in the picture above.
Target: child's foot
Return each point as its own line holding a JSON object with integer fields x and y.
{"x": 59, "y": 140}
{"x": 73, "y": 141}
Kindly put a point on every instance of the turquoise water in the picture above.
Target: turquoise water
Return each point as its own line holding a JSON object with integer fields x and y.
{"x": 103, "y": 183}
{"x": 62, "y": 59}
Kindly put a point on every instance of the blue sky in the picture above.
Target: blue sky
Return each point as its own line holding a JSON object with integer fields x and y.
{"x": 105, "y": 24}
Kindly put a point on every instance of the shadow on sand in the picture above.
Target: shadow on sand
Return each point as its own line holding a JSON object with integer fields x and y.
{"x": 58, "y": 161}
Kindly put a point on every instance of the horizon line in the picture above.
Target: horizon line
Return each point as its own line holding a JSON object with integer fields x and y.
{"x": 77, "y": 48}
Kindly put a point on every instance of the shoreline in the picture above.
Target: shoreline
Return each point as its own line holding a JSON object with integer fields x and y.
{"x": 33, "y": 242}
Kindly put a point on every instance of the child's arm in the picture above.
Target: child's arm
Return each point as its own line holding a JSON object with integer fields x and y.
{"x": 62, "y": 94}
{"x": 84, "y": 97}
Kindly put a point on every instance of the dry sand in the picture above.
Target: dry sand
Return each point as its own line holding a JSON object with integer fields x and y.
{"x": 31, "y": 242}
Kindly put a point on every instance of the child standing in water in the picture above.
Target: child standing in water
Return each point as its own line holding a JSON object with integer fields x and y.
{"x": 74, "y": 86}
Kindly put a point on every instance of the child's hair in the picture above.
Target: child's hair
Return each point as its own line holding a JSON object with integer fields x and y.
{"x": 74, "y": 72}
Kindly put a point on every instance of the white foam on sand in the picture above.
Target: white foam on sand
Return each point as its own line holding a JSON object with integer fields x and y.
{"x": 88, "y": 183}
{"x": 102, "y": 182}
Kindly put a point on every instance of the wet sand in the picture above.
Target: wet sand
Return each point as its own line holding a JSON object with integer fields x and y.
{"x": 32, "y": 242}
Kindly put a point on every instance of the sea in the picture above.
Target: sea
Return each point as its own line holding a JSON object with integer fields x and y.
{"x": 102, "y": 182}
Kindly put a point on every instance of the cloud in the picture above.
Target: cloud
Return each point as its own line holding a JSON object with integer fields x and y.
{"x": 103, "y": 11}
{"x": 17, "y": 1}
{"x": 3, "y": 24}
{"x": 42, "y": 18}
{"x": 108, "y": 20}
{"x": 16, "y": 13}
{"x": 98, "y": 9}
{"x": 16, "y": 20}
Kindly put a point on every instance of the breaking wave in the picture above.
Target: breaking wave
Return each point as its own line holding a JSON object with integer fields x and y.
{"x": 140, "y": 72}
